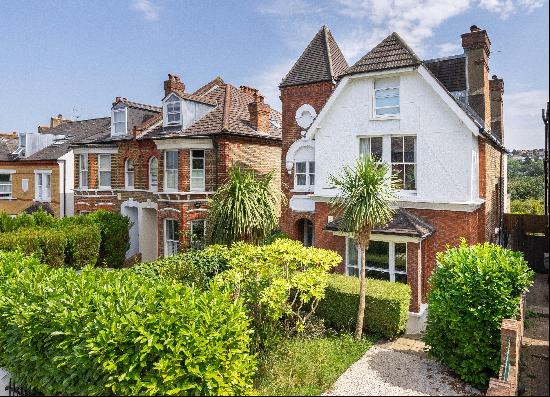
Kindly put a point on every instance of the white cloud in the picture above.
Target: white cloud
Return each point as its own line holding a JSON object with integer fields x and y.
{"x": 288, "y": 8}
{"x": 449, "y": 48}
{"x": 149, "y": 10}
{"x": 505, "y": 8}
{"x": 523, "y": 127}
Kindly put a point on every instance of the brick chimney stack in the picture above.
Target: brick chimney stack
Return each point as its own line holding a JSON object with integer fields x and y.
{"x": 259, "y": 114}
{"x": 249, "y": 90}
{"x": 496, "y": 87}
{"x": 173, "y": 84}
{"x": 477, "y": 48}
{"x": 55, "y": 121}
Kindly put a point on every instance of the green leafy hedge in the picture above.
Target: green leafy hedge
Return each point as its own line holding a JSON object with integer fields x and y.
{"x": 472, "y": 289}
{"x": 48, "y": 245}
{"x": 386, "y": 307}
{"x": 116, "y": 332}
{"x": 115, "y": 237}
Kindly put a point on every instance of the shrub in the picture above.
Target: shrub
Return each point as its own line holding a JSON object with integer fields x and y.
{"x": 471, "y": 290}
{"x": 116, "y": 332}
{"x": 83, "y": 243}
{"x": 280, "y": 281}
{"x": 115, "y": 237}
{"x": 48, "y": 245}
{"x": 386, "y": 306}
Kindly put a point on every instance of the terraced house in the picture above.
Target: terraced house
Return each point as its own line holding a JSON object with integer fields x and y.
{"x": 437, "y": 123}
{"x": 159, "y": 164}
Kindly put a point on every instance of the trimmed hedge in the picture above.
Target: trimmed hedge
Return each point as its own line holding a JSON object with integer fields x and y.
{"x": 116, "y": 332}
{"x": 115, "y": 237}
{"x": 83, "y": 242}
{"x": 48, "y": 245}
{"x": 386, "y": 307}
{"x": 473, "y": 288}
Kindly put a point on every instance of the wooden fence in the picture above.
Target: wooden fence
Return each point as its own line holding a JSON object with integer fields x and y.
{"x": 527, "y": 234}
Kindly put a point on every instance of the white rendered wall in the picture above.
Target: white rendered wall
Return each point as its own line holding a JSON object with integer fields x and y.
{"x": 68, "y": 210}
{"x": 444, "y": 144}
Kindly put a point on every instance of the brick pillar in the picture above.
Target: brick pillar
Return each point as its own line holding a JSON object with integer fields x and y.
{"x": 414, "y": 263}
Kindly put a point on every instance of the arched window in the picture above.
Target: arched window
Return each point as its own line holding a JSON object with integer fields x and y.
{"x": 153, "y": 174}
{"x": 129, "y": 171}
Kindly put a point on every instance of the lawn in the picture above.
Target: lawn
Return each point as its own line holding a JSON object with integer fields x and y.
{"x": 307, "y": 367}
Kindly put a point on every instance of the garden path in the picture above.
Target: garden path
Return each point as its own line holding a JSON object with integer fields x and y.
{"x": 399, "y": 368}
{"x": 4, "y": 381}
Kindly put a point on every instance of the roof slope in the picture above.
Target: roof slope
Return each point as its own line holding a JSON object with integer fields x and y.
{"x": 391, "y": 53}
{"x": 8, "y": 144}
{"x": 451, "y": 71}
{"x": 322, "y": 60}
{"x": 403, "y": 223}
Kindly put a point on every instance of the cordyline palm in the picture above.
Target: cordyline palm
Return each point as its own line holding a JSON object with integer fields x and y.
{"x": 243, "y": 209}
{"x": 366, "y": 192}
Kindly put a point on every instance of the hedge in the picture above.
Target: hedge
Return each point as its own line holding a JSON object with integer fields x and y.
{"x": 386, "y": 307}
{"x": 118, "y": 333}
{"x": 472, "y": 289}
{"x": 83, "y": 242}
{"x": 49, "y": 245}
{"x": 115, "y": 237}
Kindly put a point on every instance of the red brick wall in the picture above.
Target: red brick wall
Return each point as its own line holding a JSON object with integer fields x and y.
{"x": 414, "y": 272}
{"x": 489, "y": 187}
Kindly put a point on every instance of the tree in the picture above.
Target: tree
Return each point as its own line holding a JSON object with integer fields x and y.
{"x": 366, "y": 192}
{"x": 245, "y": 208}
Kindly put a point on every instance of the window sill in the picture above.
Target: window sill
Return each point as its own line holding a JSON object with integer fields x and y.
{"x": 299, "y": 190}
{"x": 43, "y": 201}
{"x": 8, "y": 198}
{"x": 382, "y": 118}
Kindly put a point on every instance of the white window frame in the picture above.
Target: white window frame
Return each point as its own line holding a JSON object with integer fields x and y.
{"x": 171, "y": 246}
{"x": 42, "y": 193}
{"x": 197, "y": 183}
{"x": 124, "y": 123}
{"x": 192, "y": 227}
{"x": 171, "y": 171}
{"x": 405, "y": 163}
{"x": 100, "y": 171}
{"x": 6, "y": 193}
{"x": 172, "y": 100}
{"x": 309, "y": 185}
{"x": 21, "y": 149}
{"x": 391, "y": 259}
{"x": 153, "y": 187}
{"x": 368, "y": 144}
{"x": 129, "y": 174}
{"x": 83, "y": 171}
{"x": 381, "y": 90}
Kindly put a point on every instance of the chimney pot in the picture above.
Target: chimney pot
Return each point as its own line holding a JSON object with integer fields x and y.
{"x": 474, "y": 28}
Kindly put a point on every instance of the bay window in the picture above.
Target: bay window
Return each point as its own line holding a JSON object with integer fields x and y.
{"x": 83, "y": 171}
{"x": 104, "y": 171}
{"x": 153, "y": 174}
{"x": 197, "y": 170}
{"x": 171, "y": 237}
{"x": 129, "y": 174}
{"x": 171, "y": 170}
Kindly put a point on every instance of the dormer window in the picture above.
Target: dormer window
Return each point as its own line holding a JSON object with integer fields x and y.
{"x": 119, "y": 122}
{"x": 172, "y": 107}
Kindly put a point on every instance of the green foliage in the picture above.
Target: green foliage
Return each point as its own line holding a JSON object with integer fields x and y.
{"x": 471, "y": 290}
{"x": 83, "y": 243}
{"x": 119, "y": 333}
{"x": 115, "y": 237}
{"x": 308, "y": 367}
{"x": 386, "y": 305}
{"x": 275, "y": 234}
{"x": 530, "y": 206}
{"x": 526, "y": 179}
{"x": 48, "y": 245}
{"x": 280, "y": 281}
{"x": 243, "y": 209}
{"x": 190, "y": 267}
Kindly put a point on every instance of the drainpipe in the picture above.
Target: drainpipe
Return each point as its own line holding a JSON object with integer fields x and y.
{"x": 216, "y": 161}
{"x": 501, "y": 201}
{"x": 64, "y": 184}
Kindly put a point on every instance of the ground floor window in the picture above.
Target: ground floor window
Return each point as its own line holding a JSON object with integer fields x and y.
{"x": 385, "y": 260}
{"x": 198, "y": 233}
{"x": 171, "y": 237}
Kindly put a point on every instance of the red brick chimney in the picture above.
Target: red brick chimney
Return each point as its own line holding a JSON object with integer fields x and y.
{"x": 55, "y": 121}
{"x": 477, "y": 48}
{"x": 259, "y": 114}
{"x": 248, "y": 90}
{"x": 496, "y": 87}
{"x": 173, "y": 84}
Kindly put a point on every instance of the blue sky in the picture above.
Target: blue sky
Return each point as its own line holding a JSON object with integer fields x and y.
{"x": 75, "y": 57}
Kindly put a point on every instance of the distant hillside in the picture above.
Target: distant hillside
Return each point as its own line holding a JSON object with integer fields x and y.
{"x": 526, "y": 181}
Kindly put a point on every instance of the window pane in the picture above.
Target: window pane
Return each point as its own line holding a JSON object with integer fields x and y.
{"x": 401, "y": 257}
{"x": 105, "y": 178}
{"x": 83, "y": 162}
{"x": 387, "y": 101}
{"x": 410, "y": 177}
{"x": 197, "y": 153}
{"x": 312, "y": 179}
{"x": 120, "y": 116}
{"x": 153, "y": 173}
{"x": 105, "y": 162}
{"x": 401, "y": 278}
{"x": 378, "y": 255}
{"x": 171, "y": 179}
{"x": 312, "y": 167}
{"x": 397, "y": 149}
{"x": 301, "y": 179}
{"x": 387, "y": 93}
{"x": 385, "y": 111}
{"x": 5, "y": 177}
{"x": 301, "y": 167}
{"x": 397, "y": 171}
{"x": 353, "y": 271}
{"x": 378, "y": 275}
{"x": 386, "y": 83}
{"x": 197, "y": 164}
{"x": 364, "y": 146}
{"x": 376, "y": 148}
{"x": 129, "y": 165}
{"x": 173, "y": 117}
{"x": 353, "y": 260}
{"x": 197, "y": 233}
{"x": 410, "y": 149}
{"x": 172, "y": 160}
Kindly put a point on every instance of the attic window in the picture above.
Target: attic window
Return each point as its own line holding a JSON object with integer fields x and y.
{"x": 119, "y": 121}
{"x": 386, "y": 97}
{"x": 173, "y": 110}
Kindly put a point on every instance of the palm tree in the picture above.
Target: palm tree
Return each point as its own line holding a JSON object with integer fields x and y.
{"x": 245, "y": 208}
{"x": 366, "y": 192}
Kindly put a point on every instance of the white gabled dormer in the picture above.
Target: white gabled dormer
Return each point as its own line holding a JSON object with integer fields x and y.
{"x": 119, "y": 120}
{"x": 172, "y": 110}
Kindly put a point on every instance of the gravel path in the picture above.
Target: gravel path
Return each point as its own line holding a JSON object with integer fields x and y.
{"x": 398, "y": 368}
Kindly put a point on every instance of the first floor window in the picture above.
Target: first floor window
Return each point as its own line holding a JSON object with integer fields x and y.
{"x": 198, "y": 232}
{"x": 5, "y": 185}
{"x": 384, "y": 260}
{"x": 83, "y": 168}
{"x": 153, "y": 174}
{"x": 129, "y": 171}
{"x": 104, "y": 167}
{"x": 171, "y": 170}
{"x": 197, "y": 170}
{"x": 403, "y": 161}
{"x": 304, "y": 174}
{"x": 171, "y": 237}
{"x": 43, "y": 186}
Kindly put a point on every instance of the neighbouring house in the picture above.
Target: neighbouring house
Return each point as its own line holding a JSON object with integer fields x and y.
{"x": 36, "y": 169}
{"x": 159, "y": 164}
{"x": 437, "y": 123}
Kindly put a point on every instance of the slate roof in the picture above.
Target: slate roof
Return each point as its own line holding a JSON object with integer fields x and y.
{"x": 391, "y": 53}
{"x": 230, "y": 115}
{"x": 451, "y": 71}
{"x": 403, "y": 224}
{"x": 322, "y": 60}
{"x": 8, "y": 144}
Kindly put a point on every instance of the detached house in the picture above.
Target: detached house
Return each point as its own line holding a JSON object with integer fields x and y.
{"x": 437, "y": 123}
{"x": 159, "y": 164}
